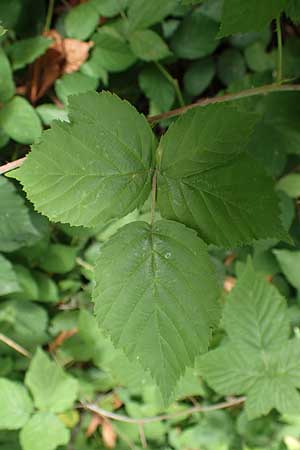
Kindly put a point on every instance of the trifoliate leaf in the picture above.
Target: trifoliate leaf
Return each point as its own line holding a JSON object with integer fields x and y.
{"x": 157, "y": 88}
{"x": 112, "y": 50}
{"x": 156, "y": 296}
{"x": 16, "y": 405}
{"x": 148, "y": 45}
{"x": 199, "y": 76}
{"x": 258, "y": 360}
{"x": 8, "y": 278}
{"x": 7, "y": 86}
{"x": 52, "y": 389}
{"x": 289, "y": 261}
{"x": 16, "y": 229}
{"x": 142, "y": 13}
{"x": 96, "y": 168}
{"x": 26, "y": 51}
{"x": 81, "y": 21}
{"x": 73, "y": 84}
{"x": 208, "y": 182}
{"x": 20, "y": 121}
{"x": 44, "y": 431}
{"x": 195, "y": 37}
{"x": 241, "y": 16}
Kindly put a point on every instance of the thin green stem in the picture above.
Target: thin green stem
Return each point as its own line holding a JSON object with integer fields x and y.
{"x": 173, "y": 81}
{"x": 49, "y": 15}
{"x": 279, "y": 44}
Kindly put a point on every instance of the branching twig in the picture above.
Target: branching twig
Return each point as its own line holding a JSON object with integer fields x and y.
{"x": 262, "y": 90}
{"x": 195, "y": 409}
{"x": 12, "y": 344}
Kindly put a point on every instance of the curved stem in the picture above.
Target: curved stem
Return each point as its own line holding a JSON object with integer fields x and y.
{"x": 195, "y": 409}
{"x": 49, "y": 15}
{"x": 262, "y": 90}
{"x": 171, "y": 80}
{"x": 279, "y": 43}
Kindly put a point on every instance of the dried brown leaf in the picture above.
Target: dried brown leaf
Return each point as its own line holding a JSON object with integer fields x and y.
{"x": 76, "y": 53}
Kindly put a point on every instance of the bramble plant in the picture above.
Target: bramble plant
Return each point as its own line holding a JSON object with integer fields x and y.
{"x": 153, "y": 213}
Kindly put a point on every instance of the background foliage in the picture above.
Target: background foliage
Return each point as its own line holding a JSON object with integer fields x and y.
{"x": 158, "y": 55}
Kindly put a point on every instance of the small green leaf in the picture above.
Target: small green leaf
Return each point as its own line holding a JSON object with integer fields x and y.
{"x": 44, "y": 431}
{"x": 8, "y": 279}
{"x": 81, "y": 21}
{"x": 111, "y": 50}
{"x": 258, "y": 59}
{"x": 20, "y": 121}
{"x": 290, "y": 184}
{"x": 258, "y": 359}
{"x": 49, "y": 112}
{"x": 47, "y": 288}
{"x": 7, "y": 85}
{"x": 157, "y": 88}
{"x": 94, "y": 169}
{"x": 147, "y": 297}
{"x": 28, "y": 286}
{"x": 195, "y": 37}
{"x": 289, "y": 261}
{"x": 16, "y": 228}
{"x": 199, "y": 76}
{"x": 52, "y": 389}
{"x": 215, "y": 187}
{"x": 74, "y": 83}
{"x": 231, "y": 66}
{"x": 26, "y": 51}
{"x": 109, "y": 8}
{"x": 241, "y": 16}
{"x": 148, "y": 45}
{"x": 16, "y": 405}
{"x": 144, "y": 13}
{"x": 58, "y": 258}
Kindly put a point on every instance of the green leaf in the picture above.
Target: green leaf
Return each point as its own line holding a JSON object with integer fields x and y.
{"x": 258, "y": 359}
{"x": 231, "y": 66}
{"x": 26, "y": 51}
{"x": 20, "y": 121}
{"x": 110, "y": 8}
{"x": 143, "y": 14}
{"x": 105, "y": 155}
{"x": 23, "y": 322}
{"x": 52, "y": 389}
{"x": 290, "y": 184}
{"x": 48, "y": 290}
{"x": 157, "y": 88}
{"x": 289, "y": 262}
{"x": 44, "y": 431}
{"x": 195, "y": 37}
{"x": 8, "y": 279}
{"x": 112, "y": 50}
{"x": 148, "y": 45}
{"x": 7, "y": 85}
{"x": 81, "y": 21}
{"x": 292, "y": 9}
{"x": 258, "y": 59}
{"x": 199, "y": 76}
{"x": 16, "y": 229}
{"x": 215, "y": 187}
{"x": 241, "y": 16}
{"x": 74, "y": 83}
{"x": 28, "y": 286}
{"x": 147, "y": 297}
{"x": 16, "y": 405}
{"x": 58, "y": 258}
{"x": 2, "y": 31}
{"x": 49, "y": 112}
